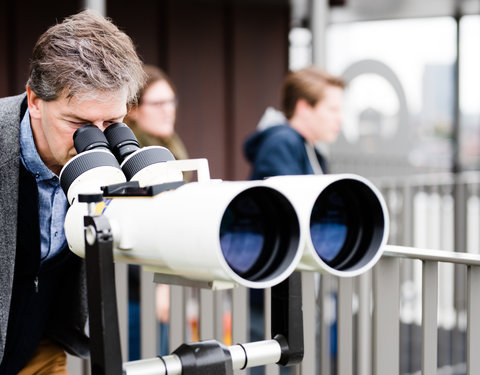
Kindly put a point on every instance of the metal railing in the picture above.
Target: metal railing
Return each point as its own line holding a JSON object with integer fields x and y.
{"x": 388, "y": 320}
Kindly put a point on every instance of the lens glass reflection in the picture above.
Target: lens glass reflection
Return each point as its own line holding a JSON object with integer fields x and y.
{"x": 242, "y": 233}
{"x": 329, "y": 225}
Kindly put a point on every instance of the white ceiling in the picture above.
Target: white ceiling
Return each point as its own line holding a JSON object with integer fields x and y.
{"x": 364, "y": 10}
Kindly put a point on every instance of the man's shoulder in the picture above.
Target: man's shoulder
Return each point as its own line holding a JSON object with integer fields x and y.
{"x": 10, "y": 112}
{"x": 12, "y": 100}
{"x": 10, "y": 106}
{"x": 283, "y": 134}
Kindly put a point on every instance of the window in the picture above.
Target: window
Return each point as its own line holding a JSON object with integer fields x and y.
{"x": 399, "y": 108}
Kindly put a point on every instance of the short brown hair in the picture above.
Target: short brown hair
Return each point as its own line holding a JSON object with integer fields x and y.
{"x": 308, "y": 84}
{"x": 85, "y": 53}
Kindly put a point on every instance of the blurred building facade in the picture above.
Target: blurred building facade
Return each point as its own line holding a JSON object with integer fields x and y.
{"x": 412, "y": 68}
{"x": 416, "y": 65}
{"x": 227, "y": 59}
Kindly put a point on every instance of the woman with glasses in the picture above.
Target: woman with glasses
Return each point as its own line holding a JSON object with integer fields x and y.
{"x": 153, "y": 122}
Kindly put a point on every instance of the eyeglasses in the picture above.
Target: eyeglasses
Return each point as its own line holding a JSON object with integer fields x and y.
{"x": 161, "y": 103}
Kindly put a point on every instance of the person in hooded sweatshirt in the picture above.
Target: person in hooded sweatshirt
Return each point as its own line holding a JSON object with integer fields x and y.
{"x": 284, "y": 143}
{"x": 287, "y": 143}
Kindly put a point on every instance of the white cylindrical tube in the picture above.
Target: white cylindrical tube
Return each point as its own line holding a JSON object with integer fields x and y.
{"x": 344, "y": 218}
{"x": 232, "y": 231}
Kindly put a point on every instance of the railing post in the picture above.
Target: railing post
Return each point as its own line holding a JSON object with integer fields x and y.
{"x": 429, "y": 317}
{"x": 219, "y": 297}
{"x": 325, "y": 320}
{"x": 473, "y": 322}
{"x": 176, "y": 334}
{"x": 239, "y": 317}
{"x": 460, "y": 236}
{"x": 407, "y": 222}
{"x": 121, "y": 282}
{"x": 386, "y": 336}
{"x": 148, "y": 320}
{"x": 345, "y": 327}
{"x": 206, "y": 328}
{"x": 239, "y": 314}
{"x": 271, "y": 369}
{"x": 309, "y": 322}
{"x": 364, "y": 339}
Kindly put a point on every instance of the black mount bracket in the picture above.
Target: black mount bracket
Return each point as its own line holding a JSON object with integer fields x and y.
{"x": 206, "y": 357}
{"x": 105, "y": 350}
{"x": 287, "y": 319}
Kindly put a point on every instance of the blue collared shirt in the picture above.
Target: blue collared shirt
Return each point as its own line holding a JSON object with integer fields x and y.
{"x": 52, "y": 202}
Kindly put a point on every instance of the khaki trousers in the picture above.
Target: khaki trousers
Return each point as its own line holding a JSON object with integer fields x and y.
{"x": 48, "y": 358}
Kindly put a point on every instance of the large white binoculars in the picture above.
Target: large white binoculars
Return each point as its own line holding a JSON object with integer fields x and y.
{"x": 252, "y": 233}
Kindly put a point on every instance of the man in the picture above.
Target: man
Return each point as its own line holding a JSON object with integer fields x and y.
{"x": 285, "y": 145}
{"x": 312, "y": 110}
{"x": 83, "y": 70}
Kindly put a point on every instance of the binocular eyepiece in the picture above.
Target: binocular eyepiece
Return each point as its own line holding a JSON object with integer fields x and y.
{"x": 114, "y": 152}
{"x": 89, "y": 137}
{"x": 252, "y": 233}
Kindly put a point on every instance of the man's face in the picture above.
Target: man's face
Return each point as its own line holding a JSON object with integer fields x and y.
{"x": 54, "y": 122}
{"x": 326, "y": 116}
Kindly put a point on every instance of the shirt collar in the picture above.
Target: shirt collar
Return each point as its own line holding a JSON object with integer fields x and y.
{"x": 29, "y": 154}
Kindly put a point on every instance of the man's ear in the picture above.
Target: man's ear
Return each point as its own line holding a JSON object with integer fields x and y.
{"x": 302, "y": 106}
{"x": 33, "y": 103}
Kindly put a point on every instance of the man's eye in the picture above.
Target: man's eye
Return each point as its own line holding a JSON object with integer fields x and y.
{"x": 77, "y": 123}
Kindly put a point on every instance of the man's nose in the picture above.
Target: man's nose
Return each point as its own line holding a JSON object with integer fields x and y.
{"x": 101, "y": 125}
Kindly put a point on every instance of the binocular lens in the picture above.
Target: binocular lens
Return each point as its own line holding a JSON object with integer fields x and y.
{"x": 329, "y": 225}
{"x": 89, "y": 137}
{"x": 242, "y": 234}
{"x": 346, "y": 224}
{"x": 254, "y": 242}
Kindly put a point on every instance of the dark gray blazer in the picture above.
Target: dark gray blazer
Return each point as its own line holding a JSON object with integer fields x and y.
{"x": 70, "y": 330}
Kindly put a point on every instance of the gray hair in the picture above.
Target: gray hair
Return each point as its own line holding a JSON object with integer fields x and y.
{"x": 85, "y": 55}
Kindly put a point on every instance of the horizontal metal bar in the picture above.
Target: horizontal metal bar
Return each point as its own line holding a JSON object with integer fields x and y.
{"x": 255, "y": 354}
{"x": 435, "y": 255}
{"x": 243, "y": 356}
{"x": 169, "y": 364}
{"x": 428, "y": 180}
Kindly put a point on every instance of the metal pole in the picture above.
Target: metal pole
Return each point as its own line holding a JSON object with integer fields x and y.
{"x": 318, "y": 27}
{"x": 98, "y": 5}
{"x": 456, "y": 165}
{"x": 243, "y": 356}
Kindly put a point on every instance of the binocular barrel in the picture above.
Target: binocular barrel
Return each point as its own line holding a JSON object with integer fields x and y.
{"x": 344, "y": 217}
{"x": 227, "y": 231}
